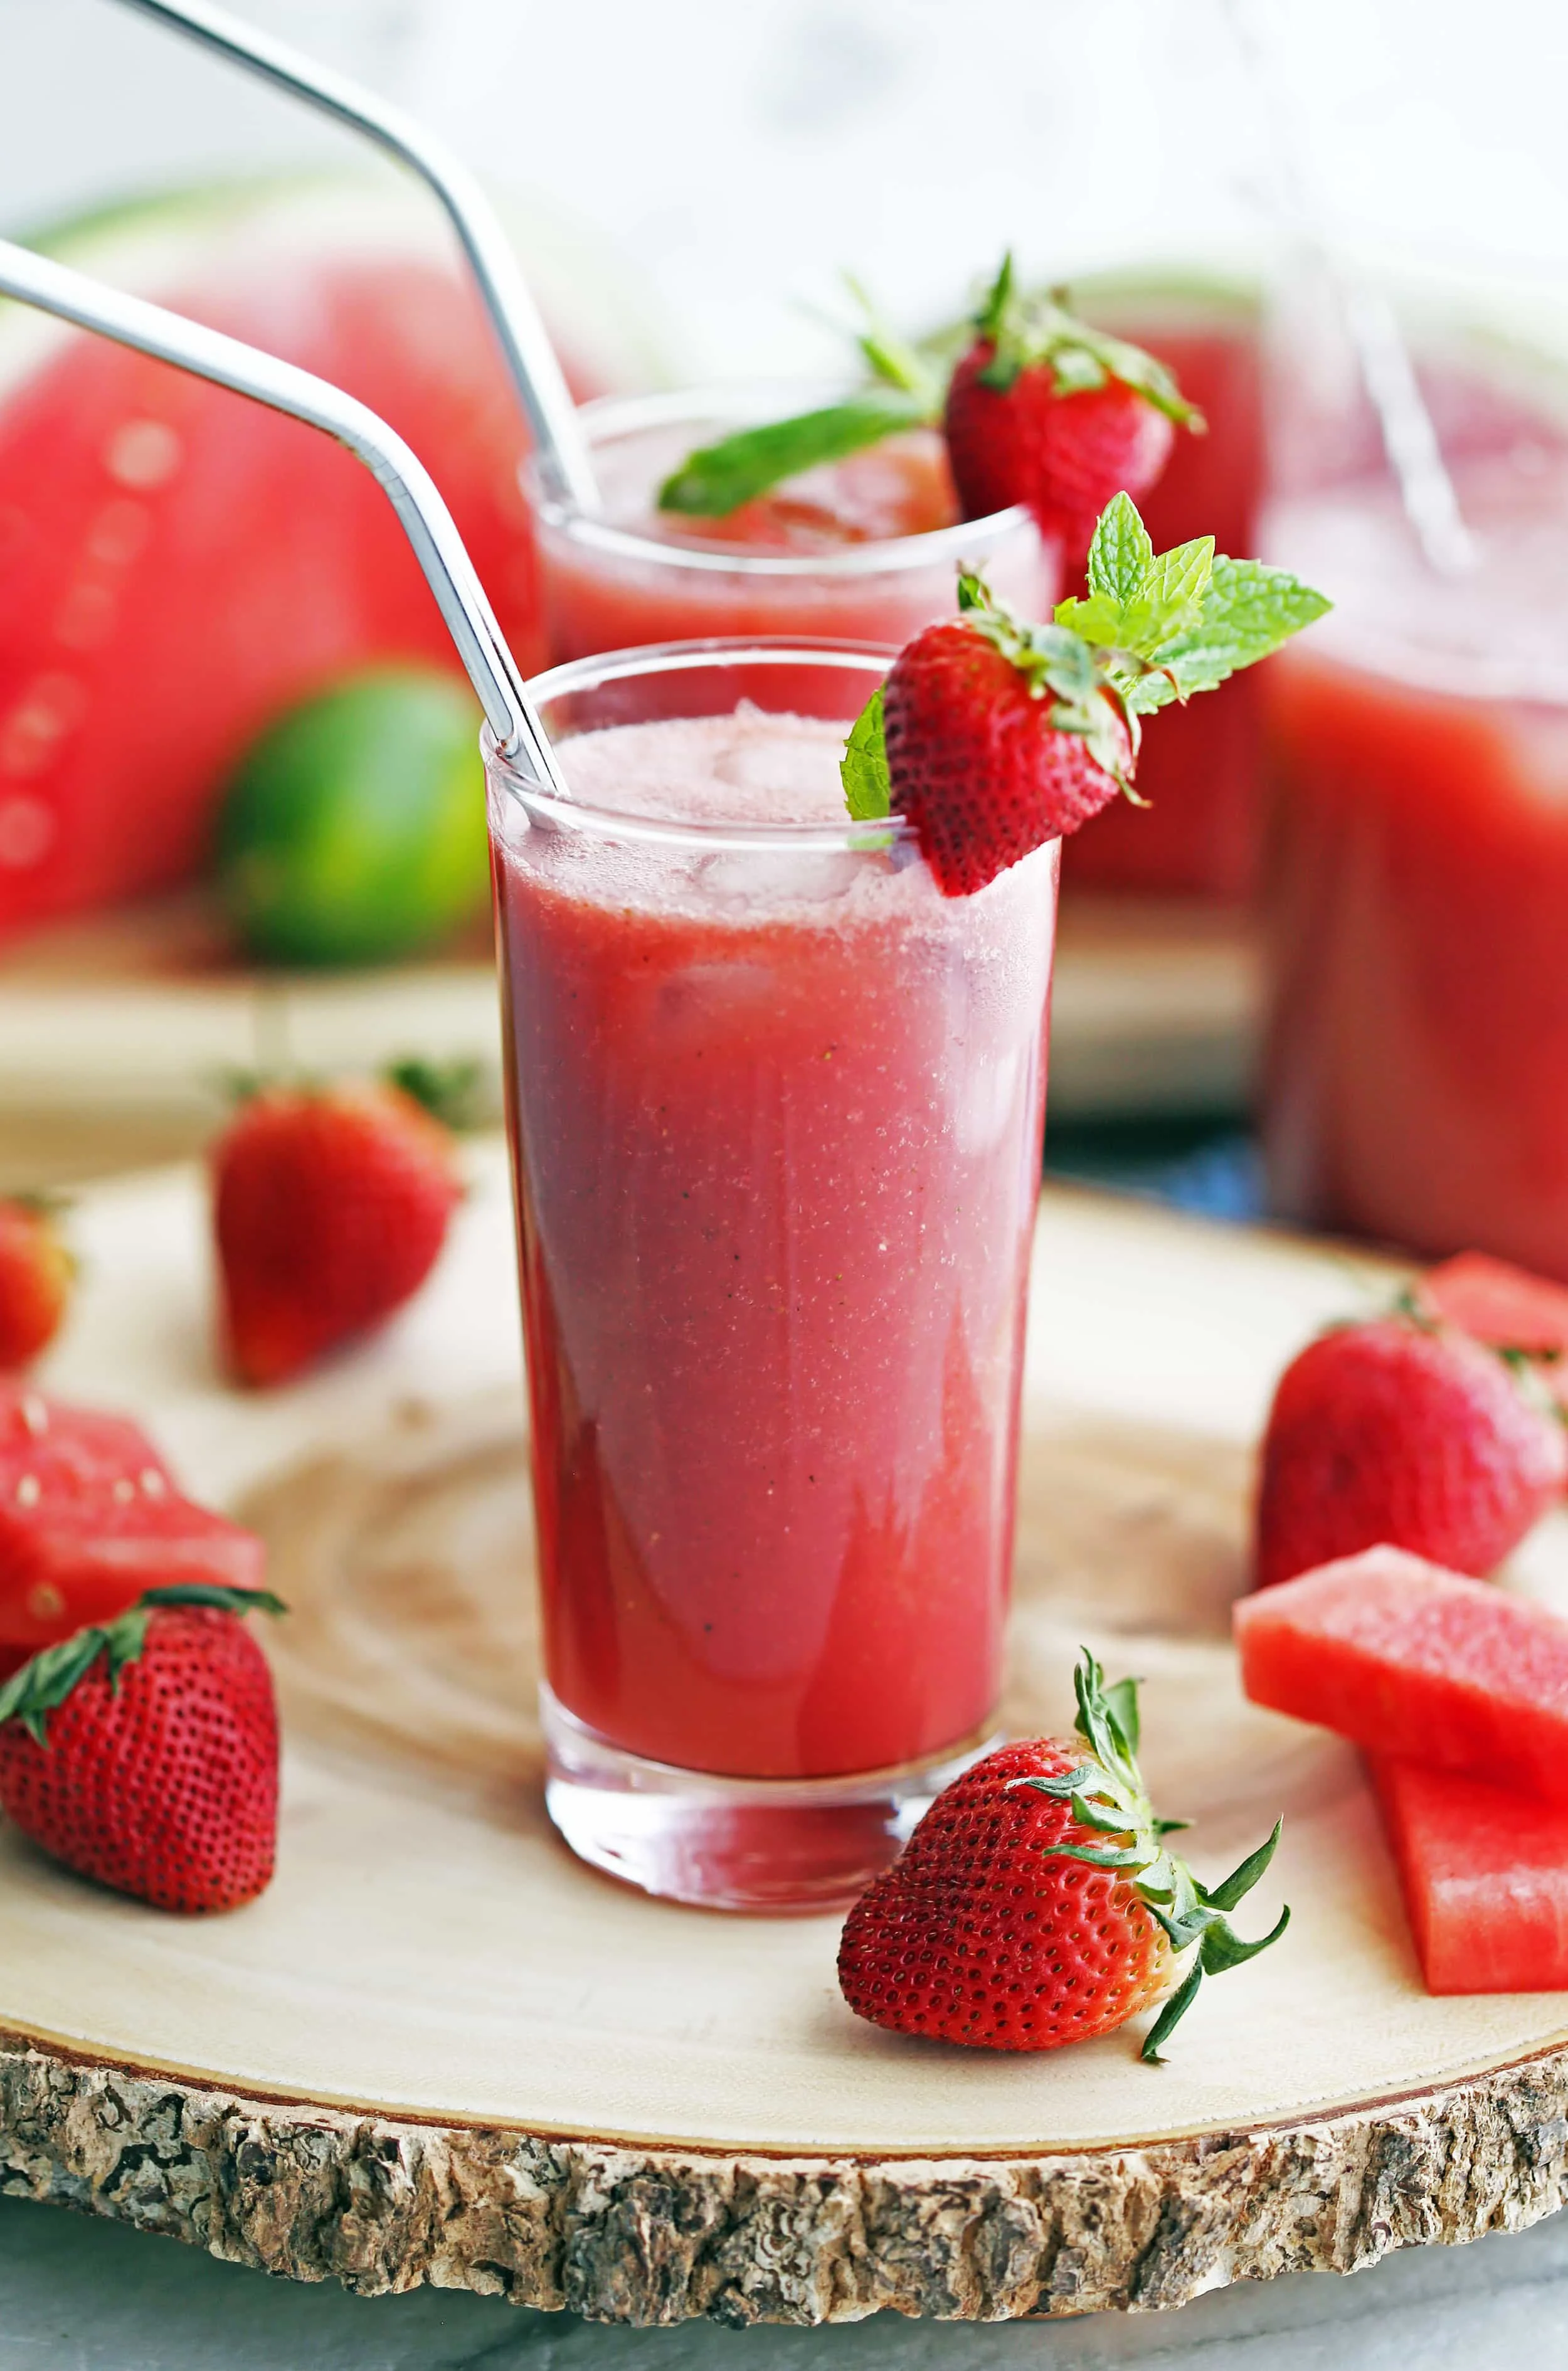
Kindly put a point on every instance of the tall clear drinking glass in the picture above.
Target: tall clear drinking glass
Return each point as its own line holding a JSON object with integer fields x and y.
{"x": 776, "y": 1109}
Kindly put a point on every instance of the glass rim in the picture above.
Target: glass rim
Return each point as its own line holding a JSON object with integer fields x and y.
{"x": 674, "y": 831}
{"x": 888, "y": 557}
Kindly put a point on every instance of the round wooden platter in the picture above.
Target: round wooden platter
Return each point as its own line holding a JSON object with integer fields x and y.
{"x": 117, "y": 1032}
{"x": 438, "y": 2049}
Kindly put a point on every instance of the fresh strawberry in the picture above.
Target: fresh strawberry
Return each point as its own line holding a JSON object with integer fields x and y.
{"x": 1036, "y": 1903}
{"x": 145, "y": 1753}
{"x": 90, "y": 1516}
{"x": 35, "y": 1271}
{"x": 1411, "y": 1435}
{"x": 330, "y": 1207}
{"x": 994, "y": 736}
{"x": 1045, "y": 410}
{"x": 963, "y": 715}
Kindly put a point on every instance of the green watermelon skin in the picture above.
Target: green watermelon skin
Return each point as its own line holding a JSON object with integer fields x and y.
{"x": 1407, "y": 1659}
{"x": 1483, "y": 1871}
{"x": 177, "y": 565}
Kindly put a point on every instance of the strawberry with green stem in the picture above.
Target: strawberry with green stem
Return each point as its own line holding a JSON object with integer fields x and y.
{"x": 142, "y": 1752}
{"x": 1038, "y": 1901}
{"x": 992, "y": 736}
{"x": 1044, "y": 409}
{"x": 1041, "y": 409}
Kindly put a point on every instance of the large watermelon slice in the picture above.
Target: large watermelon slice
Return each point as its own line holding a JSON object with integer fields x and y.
{"x": 1407, "y": 1660}
{"x": 178, "y": 564}
{"x": 1484, "y": 1874}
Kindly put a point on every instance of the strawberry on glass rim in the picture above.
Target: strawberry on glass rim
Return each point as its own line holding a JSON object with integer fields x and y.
{"x": 993, "y": 736}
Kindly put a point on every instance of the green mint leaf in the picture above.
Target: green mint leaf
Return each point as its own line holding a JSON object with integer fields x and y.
{"x": 717, "y": 478}
{"x": 1179, "y": 580}
{"x": 1099, "y": 619}
{"x": 1121, "y": 555}
{"x": 868, "y": 787}
{"x": 1248, "y": 610}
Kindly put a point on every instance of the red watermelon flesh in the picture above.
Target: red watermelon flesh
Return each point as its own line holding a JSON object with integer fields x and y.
{"x": 1198, "y": 767}
{"x": 1406, "y": 1659}
{"x": 1484, "y": 1874}
{"x": 89, "y": 1517}
{"x": 178, "y": 564}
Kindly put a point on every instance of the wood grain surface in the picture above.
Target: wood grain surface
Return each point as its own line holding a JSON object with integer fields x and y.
{"x": 439, "y": 2049}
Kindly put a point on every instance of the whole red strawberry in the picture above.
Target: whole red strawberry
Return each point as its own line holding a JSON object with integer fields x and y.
{"x": 974, "y": 756}
{"x": 1407, "y": 1434}
{"x": 330, "y": 1207}
{"x": 1036, "y": 1902}
{"x": 36, "y": 1272}
{"x": 1045, "y": 410}
{"x": 145, "y": 1753}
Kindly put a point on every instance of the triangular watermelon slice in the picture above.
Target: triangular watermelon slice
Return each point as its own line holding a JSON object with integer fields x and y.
{"x": 90, "y": 1516}
{"x": 178, "y": 564}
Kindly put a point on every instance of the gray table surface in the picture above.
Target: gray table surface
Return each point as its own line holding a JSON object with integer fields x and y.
{"x": 80, "y": 2295}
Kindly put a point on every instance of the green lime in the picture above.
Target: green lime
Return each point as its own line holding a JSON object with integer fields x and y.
{"x": 355, "y": 830}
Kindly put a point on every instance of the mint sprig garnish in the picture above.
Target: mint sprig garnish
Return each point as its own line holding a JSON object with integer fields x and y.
{"x": 1107, "y": 1795}
{"x": 1154, "y": 627}
{"x": 1177, "y": 622}
{"x": 863, "y": 769}
{"x": 717, "y": 478}
{"x": 1028, "y": 329}
{"x": 42, "y": 1685}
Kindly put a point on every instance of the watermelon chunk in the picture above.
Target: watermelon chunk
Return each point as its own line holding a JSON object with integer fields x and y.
{"x": 179, "y": 566}
{"x": 1484, "y": 1874}
{"x": 1406, "y": 1659}
{"x": 90, "y": 1516}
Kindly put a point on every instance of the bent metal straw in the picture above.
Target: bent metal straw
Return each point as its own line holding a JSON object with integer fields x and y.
{"x": 426, "y": 520}
{"x": 524, "y": 342}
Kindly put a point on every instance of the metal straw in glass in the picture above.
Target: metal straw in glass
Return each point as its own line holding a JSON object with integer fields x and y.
{"x": 427, "y": 522}
{"x": 524, "y": 342}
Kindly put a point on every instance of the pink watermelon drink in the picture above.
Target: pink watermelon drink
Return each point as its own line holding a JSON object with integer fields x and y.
{"x": 777, "y": 1109}
{"x": 861, "y": 550}
{"x": 1418, "y": 876}
{"x": 1199, "y": 835}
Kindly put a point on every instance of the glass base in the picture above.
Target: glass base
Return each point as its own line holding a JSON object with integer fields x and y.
{"x": 734, "y": 1844}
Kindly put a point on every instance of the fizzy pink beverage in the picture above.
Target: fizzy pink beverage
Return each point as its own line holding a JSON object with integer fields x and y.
{"x": 863, "y": 549}
{"x": 777, "y": 1108}
{"x": 1418, "y": 872}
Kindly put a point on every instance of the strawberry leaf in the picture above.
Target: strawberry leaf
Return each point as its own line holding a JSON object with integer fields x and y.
{"x": 717, "y": 478}
{"x": 1108, "y": 1797}
{"x": 42, "y": 1685}
{"x": 1026, "y": 331}
{"x": 868, "y": 786}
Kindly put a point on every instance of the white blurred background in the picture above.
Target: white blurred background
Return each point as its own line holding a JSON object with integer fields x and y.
{"x": 740, "y": 152}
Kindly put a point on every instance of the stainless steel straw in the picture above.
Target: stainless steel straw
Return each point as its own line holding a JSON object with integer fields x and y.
{"x": 427, "y": 522}
{"x": 524, "y": 342}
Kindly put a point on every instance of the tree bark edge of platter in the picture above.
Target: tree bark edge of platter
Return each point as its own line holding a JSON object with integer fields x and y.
{"x": 648, "y": 2236}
